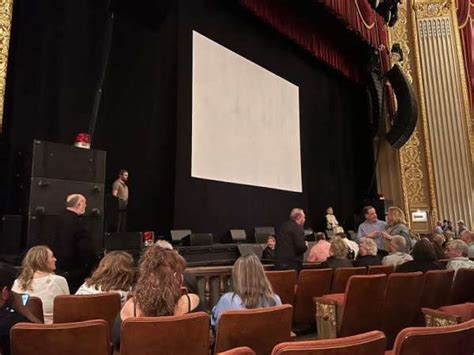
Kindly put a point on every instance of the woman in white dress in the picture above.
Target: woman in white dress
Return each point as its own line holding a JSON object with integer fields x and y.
{"x": 115, "y": 273}
{"x": 37, "y": 279}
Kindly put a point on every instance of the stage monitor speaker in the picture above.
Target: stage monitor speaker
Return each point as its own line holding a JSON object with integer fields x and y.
{"x": 247, "y": 249}
{"x": 178, "y": 234}
{"x": 238, "y": 235}
{"x": 262, "y": 233}
{"x": 132, "y": 241}
{"x": 407, "y": 108}
{"x": 10, "y": 242}
{"x": 199, "y": 239}
{"x": 65, "y": 162}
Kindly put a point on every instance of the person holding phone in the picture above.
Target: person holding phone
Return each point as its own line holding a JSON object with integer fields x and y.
{"x": 13, "y": 307}
{"x": 38, "y": 279}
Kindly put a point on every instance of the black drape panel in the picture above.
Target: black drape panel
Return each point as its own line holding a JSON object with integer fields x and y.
{"x": 54, "y": 65}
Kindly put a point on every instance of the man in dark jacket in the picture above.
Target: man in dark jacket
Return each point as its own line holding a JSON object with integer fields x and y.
{"x": 73, "y": 245}
{"x": 290, "y": 243}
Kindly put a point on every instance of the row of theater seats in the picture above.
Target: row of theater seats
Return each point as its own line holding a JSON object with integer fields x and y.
{"x": 433, "y": 290}
{"x": 259, "y": 331}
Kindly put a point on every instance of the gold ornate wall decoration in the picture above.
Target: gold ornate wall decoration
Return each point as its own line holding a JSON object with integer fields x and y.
{"x": 432, "y": 8}
{"x": 414, "y": 174}
{"x": 6, "y": 10}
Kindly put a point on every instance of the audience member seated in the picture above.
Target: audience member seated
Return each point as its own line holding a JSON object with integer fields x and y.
{"x": 189, "y": 280}
{"x": 115, "y": 273}
{"x": 353, "y": 246}
{"x": 438, "y": 243}
{"x": 367, "y": 253}
{"x": 397, "y": 254}
{"x": 468, "y": 238}
{"x": 12, "y": 310}
{"x": 37, "y": 279}
{"x": 424, "y": 258}
{"x": 251, "y": 289}
{"x": 397, "y": 225}
{"x": 456, "y": 252}
{"x": 320, "y": 251}
{"x": 338, "y": 252}
{"x": 158, "y": 289}
{"x": 269, "y": 251}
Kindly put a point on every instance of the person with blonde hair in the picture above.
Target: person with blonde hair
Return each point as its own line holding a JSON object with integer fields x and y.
{"x": 251, "y": 289}
{"x": 115, "y": 273}
{"x": 367, "y": 253}
{"x": 397, "y": 225}
{"x": 158, "y": 290}
{"x": 338, "y": 252}
{"x": 37, "y": 279}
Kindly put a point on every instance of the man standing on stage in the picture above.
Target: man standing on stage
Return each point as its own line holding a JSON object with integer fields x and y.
{"x": 290, "y": 243}
{"x": 120, "y": 190}
{"x": 73, "y": 245}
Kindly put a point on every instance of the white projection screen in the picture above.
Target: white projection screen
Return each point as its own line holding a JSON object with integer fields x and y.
{"x": 245, "y": 123}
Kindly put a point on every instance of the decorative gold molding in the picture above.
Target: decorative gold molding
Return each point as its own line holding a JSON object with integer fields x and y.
{"x": 432, "y": 8}
{"x": 6, "y": 10}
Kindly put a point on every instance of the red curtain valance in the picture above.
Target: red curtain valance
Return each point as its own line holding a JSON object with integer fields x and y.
{"x": 327, "y": 40}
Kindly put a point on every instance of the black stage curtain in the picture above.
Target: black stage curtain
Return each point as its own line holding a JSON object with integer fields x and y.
{"x": 144, "y": 121}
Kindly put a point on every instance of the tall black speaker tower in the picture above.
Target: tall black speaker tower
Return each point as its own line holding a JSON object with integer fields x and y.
{"x": 58, "y": 170}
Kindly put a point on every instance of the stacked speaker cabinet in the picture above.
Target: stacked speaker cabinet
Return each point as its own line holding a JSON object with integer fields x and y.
{"x": 57, "y": 171}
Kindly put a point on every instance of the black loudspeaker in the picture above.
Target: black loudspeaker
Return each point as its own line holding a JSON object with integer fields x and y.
{"x": 407, "y": 108}
{"x": 57, "y": 171}
{"x": 375, "y": 101}
{"x": 10, "y": 236}
{"x": 132, "y": 241}
{"x": 64, "y": 162}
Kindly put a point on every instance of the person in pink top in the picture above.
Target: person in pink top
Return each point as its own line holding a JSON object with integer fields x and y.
{"x": 320, "y": 251}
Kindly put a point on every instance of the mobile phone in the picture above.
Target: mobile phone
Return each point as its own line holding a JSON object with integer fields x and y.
{"x": 24, "y": 298}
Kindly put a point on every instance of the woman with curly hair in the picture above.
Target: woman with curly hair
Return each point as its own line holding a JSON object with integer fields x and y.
{"x": 158, "y": 291}
{"x": 115, "y": 273}
{"x": 251, "y": 289}
{"x": 37, "y": 279}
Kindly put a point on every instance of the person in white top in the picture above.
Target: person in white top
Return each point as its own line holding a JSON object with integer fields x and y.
{"x": 37, "y": 279}
{"x": 353, "y": 246}
{"x": 397, "y": 254}
{"x": 457, "y": 251}
{"x": 115, "y": 273}
{"x": 332, "y": 225}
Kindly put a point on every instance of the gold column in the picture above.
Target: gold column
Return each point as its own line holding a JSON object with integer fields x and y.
{"x": 6, "y": 9}
{"x": 437, "y": 163}
{"x": 416, "y": 192}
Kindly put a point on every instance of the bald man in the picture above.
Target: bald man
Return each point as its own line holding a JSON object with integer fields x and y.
{"x": 290, "y": 242}
{"x": 73, "y": 246}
